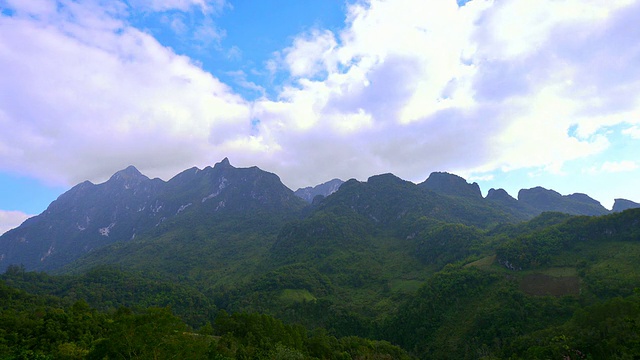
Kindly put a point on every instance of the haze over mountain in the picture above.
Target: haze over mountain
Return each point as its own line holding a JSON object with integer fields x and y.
{"x": 89, "y": 216}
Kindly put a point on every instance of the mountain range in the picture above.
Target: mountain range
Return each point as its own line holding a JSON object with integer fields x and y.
{"x": 91, "y": 216}
{"x": 433, "y": 267}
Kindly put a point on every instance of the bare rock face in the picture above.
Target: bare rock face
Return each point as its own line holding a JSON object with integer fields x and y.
{"x": 624, "y": 204}
{"x": 324, "y": 190}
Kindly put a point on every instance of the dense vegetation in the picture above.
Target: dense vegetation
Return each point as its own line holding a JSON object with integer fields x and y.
{"x": 44, "y": 327}
{"x": 379, "y": 270}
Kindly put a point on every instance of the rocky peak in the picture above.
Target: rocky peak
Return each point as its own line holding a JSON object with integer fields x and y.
{"x": 129, "y": 177}
{"x": 499, "y": 195}
{"x": 537, "y": 194}
{"x": 129, "y": 172}
{"x": 584, "y": 198}
{"x": 450, "y": 184}
{"x": 385, "y": 179}
{"x": 224, "y": 164}
{"x": 542, "y": 199}
{"x": 624, "y": 204}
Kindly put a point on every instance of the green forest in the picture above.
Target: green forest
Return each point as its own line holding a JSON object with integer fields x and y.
{"x": 554, "y": 287}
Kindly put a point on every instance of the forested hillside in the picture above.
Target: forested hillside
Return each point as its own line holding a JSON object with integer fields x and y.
{"x": 379, "y": 269}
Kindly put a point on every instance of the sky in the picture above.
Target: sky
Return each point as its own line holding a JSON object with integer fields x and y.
{"x": 507, "y": 93}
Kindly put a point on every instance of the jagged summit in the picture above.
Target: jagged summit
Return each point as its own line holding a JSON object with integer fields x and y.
{"x": 499, "y": 195}
{"x": 129, "y": 172}
{"x": 224, "y": 164}
{"x": 584, "y": 198}
{"x": 543, "y": 199}
{"x": 508, "y": 203}
{"x": 624, "y": 204}
{"x": 128, "y": 178}
{"x": 130, "y": 205}
{"x": 450, "y": 184}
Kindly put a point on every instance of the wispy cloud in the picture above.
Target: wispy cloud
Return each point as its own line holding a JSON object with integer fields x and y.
{"x": 619, "y": 166}
{"x": 614, "y": 167}
{"x": 205, "y": 6}
{"x": 240, "y": 78}
{"x": 633, "y": 132}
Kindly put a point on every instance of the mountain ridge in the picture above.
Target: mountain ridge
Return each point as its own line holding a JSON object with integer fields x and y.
{"x": 325, "y": 189}
{"x": 90, "y": 216}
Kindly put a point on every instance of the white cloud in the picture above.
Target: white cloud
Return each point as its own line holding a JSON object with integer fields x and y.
{"x": 191, "y": 20}
{"x": 408, "y": 86}
{"x": 310, "y": 54}
{"x": 633, "y": 132}
{"x": 207, "y": 34}
{"x": 619, "y": 166}
{"x": 513, "y": 29}
{"x": 205, "y": 6}
{"x": 240, "y": 78}
{"x": 32, "y": 7}
{"x": 11, "y": 219}
{"x": 475, "y": 177}
{"x": 614, "y": 167}
{"x": 176, "y": 23}
{"x": 89, "y": 98}
{"x": 491, "y": 85}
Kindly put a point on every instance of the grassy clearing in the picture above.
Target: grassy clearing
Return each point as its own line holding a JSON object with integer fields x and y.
{"x": 542, "y": 285}
{"x": 296, "y": 295}
{"x": 484, "y": 264}
{"x": 560, "y": 272}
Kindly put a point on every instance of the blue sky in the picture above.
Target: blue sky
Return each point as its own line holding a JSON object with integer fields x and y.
{"x": 512, "y": 94}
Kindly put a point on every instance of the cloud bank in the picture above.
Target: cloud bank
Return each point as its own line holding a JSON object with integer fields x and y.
{"x": 408, "y": 86}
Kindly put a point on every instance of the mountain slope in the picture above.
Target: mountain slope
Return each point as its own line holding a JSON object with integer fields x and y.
{"x": 468, "y": 196}
{"x": 84, "y": 218}
{"x": 530, "y": 202}
{"x": 452, "y": 185}
{"x": 503, "y": 200}
{"x": 542, "y": 200}
{"x": 130, "y": 205}
{"x": 623, "y": 204}
{"x": 324, "y": 190}
{"x": 89, "y": 217}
